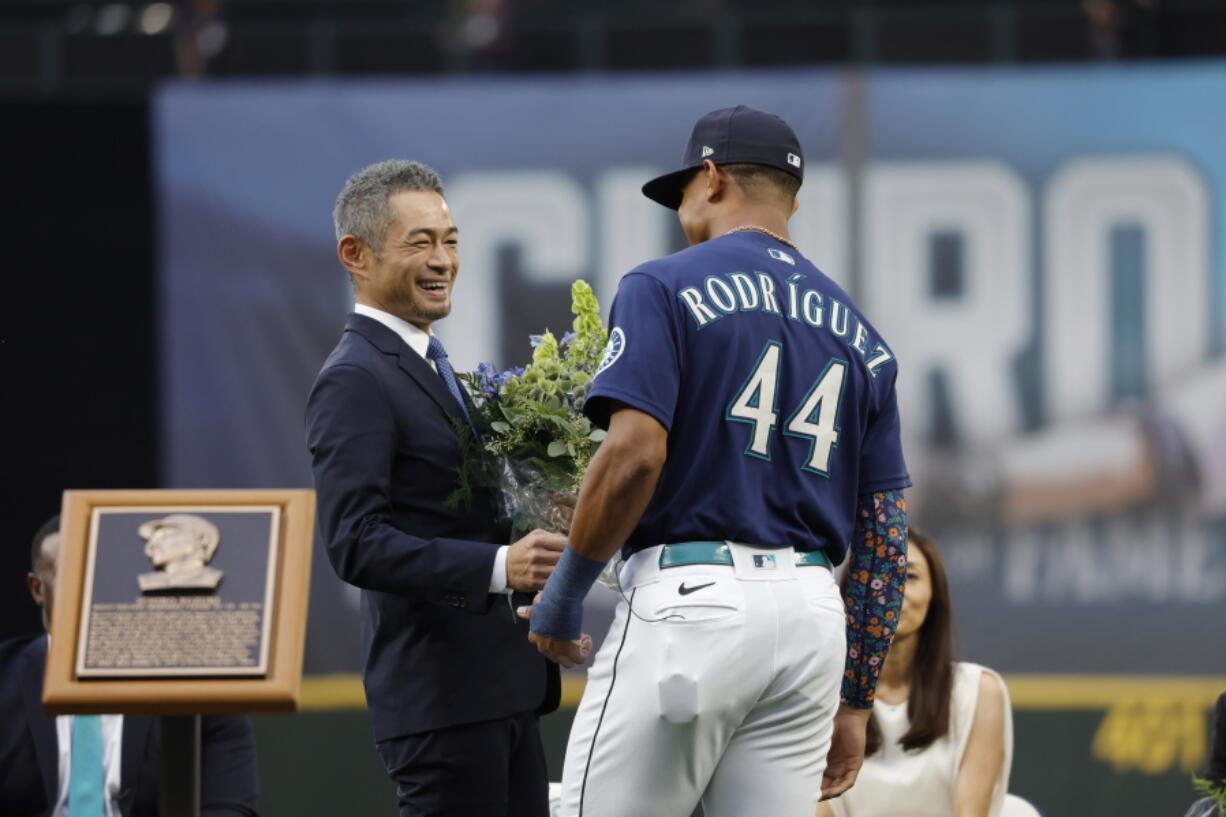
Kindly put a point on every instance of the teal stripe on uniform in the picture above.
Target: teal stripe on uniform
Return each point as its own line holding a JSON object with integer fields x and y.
{"x": 695, "y": 553}
{"x": 678, "y": 554}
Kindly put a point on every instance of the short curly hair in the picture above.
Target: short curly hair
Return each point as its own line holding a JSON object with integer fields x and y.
{"x": 50, "y": 527}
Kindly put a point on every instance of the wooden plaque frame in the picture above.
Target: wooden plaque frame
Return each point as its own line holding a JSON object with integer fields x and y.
{"x": 277, "y": 691}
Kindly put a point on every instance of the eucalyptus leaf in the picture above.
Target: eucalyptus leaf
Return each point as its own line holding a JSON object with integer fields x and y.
{"x": 563, "y": 423}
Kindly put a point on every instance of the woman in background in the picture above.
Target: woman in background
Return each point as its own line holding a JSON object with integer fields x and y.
{"x": 940, "y": 739}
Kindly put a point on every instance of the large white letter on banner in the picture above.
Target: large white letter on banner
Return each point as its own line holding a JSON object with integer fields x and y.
{"x": 632, "y": 228}
{"x": 542, "y": 212}
{"x": 1086, "y": 199}
{"x": 819, "y": 226}
{"x": 973, "y": 332}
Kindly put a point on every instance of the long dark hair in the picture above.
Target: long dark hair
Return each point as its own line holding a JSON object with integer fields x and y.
{"x": 932, "y": 671}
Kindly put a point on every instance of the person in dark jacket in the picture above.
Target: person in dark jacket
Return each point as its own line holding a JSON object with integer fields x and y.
{"x": 37, "y": 751}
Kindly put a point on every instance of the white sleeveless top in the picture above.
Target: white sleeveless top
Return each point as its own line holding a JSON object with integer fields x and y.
{"x": 897, "y": 783}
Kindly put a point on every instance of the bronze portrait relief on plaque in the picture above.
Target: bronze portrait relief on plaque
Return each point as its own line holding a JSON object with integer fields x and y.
{"x": 180, "y": 546}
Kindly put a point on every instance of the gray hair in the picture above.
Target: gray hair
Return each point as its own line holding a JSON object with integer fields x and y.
{"x": 362, "y": 207}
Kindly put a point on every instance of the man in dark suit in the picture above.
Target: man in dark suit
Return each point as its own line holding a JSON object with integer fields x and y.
{"x": 37, "y": 751}
{"x": 454, "y": 687}
{"x": 1217, "y": 753}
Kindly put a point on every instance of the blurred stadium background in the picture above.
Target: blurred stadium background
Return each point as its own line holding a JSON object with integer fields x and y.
{"x": 1026, "y": 197}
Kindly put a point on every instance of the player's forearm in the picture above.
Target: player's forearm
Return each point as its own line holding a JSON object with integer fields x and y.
{"x": 876, "y": 573}
{"x": 616, "y": 491}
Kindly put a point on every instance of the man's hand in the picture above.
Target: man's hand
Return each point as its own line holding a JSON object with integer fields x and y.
{"x": 846, "y": 751}
{"x": 566, "y": 653}
{"x": 531, "y": 559}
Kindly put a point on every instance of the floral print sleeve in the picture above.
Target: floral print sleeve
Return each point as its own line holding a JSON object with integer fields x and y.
{"x": 876, "y": 573}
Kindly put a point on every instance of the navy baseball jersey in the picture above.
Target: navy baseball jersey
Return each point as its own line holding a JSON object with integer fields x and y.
{"x": 777, "y": 394}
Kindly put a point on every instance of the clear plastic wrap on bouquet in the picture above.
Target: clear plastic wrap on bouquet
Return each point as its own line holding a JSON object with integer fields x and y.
{"x": 528, "y": 497}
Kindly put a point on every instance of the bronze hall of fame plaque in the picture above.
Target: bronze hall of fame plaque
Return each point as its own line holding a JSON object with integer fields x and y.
{"x": 178, "y": 591}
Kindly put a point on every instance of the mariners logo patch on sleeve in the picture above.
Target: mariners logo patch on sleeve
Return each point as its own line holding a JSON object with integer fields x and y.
{"x": 613, "y": 349}
{"x": 780, "y": 255}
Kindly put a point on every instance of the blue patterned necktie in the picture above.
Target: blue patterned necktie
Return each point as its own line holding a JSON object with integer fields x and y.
{"x": 86, "y": 776}
{"x": 438, "y": 354}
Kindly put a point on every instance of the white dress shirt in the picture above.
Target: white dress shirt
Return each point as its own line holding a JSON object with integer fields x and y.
{"x": 112, "y": 755}
{"x": 419, "y": 341}
{"x": 112, "y": 752}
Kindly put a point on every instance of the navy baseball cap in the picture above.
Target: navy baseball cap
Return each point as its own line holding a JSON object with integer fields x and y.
{"x": 731, "y": 136}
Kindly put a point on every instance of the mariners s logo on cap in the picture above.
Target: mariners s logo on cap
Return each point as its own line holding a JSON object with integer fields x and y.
{"x": 744, "y": 136}
{"x": 613, "y": 349}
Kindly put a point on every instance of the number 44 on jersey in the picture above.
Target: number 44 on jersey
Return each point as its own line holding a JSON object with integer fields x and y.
{"x": 815, "y": 419}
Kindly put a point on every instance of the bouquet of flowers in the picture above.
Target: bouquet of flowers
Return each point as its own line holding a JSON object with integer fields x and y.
{"x": 1213, "y": 793}
{"x": 532, "y": 440}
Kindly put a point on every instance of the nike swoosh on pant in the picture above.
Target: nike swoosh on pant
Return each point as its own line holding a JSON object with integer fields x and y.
{"x": 685, "y": 591}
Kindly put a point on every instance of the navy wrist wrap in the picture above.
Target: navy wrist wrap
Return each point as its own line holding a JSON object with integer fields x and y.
{"x": 558, "y": 613}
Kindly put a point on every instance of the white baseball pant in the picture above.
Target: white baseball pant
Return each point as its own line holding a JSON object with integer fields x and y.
{"x": 716, "y": 683}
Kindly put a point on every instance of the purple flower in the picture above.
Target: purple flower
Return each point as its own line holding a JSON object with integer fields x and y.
{"x": 535, "y": 340}
{"x": 876, "y": 584}
{"x": 568, "y": 338}
{"x": 488, "y": 379}
{"x": 499, "y": 380}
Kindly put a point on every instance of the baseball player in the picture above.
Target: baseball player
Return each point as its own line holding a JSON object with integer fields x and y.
{"x": 752, "y": 434}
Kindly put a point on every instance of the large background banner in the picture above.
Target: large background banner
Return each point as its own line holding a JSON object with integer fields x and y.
{"x": 1043, "y": 249}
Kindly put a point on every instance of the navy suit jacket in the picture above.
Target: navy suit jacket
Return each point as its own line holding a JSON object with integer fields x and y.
{"x": 29, "y": 749}
{"x": 440, "y": 650}
{"x": 1217, "y": 755}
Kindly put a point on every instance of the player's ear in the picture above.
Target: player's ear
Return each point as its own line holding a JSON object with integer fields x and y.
{"x": 717, "y": 180}
{"x": 795, "y": 206}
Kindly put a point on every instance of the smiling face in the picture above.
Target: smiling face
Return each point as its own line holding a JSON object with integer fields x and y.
{"x": 411, "y": 277}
